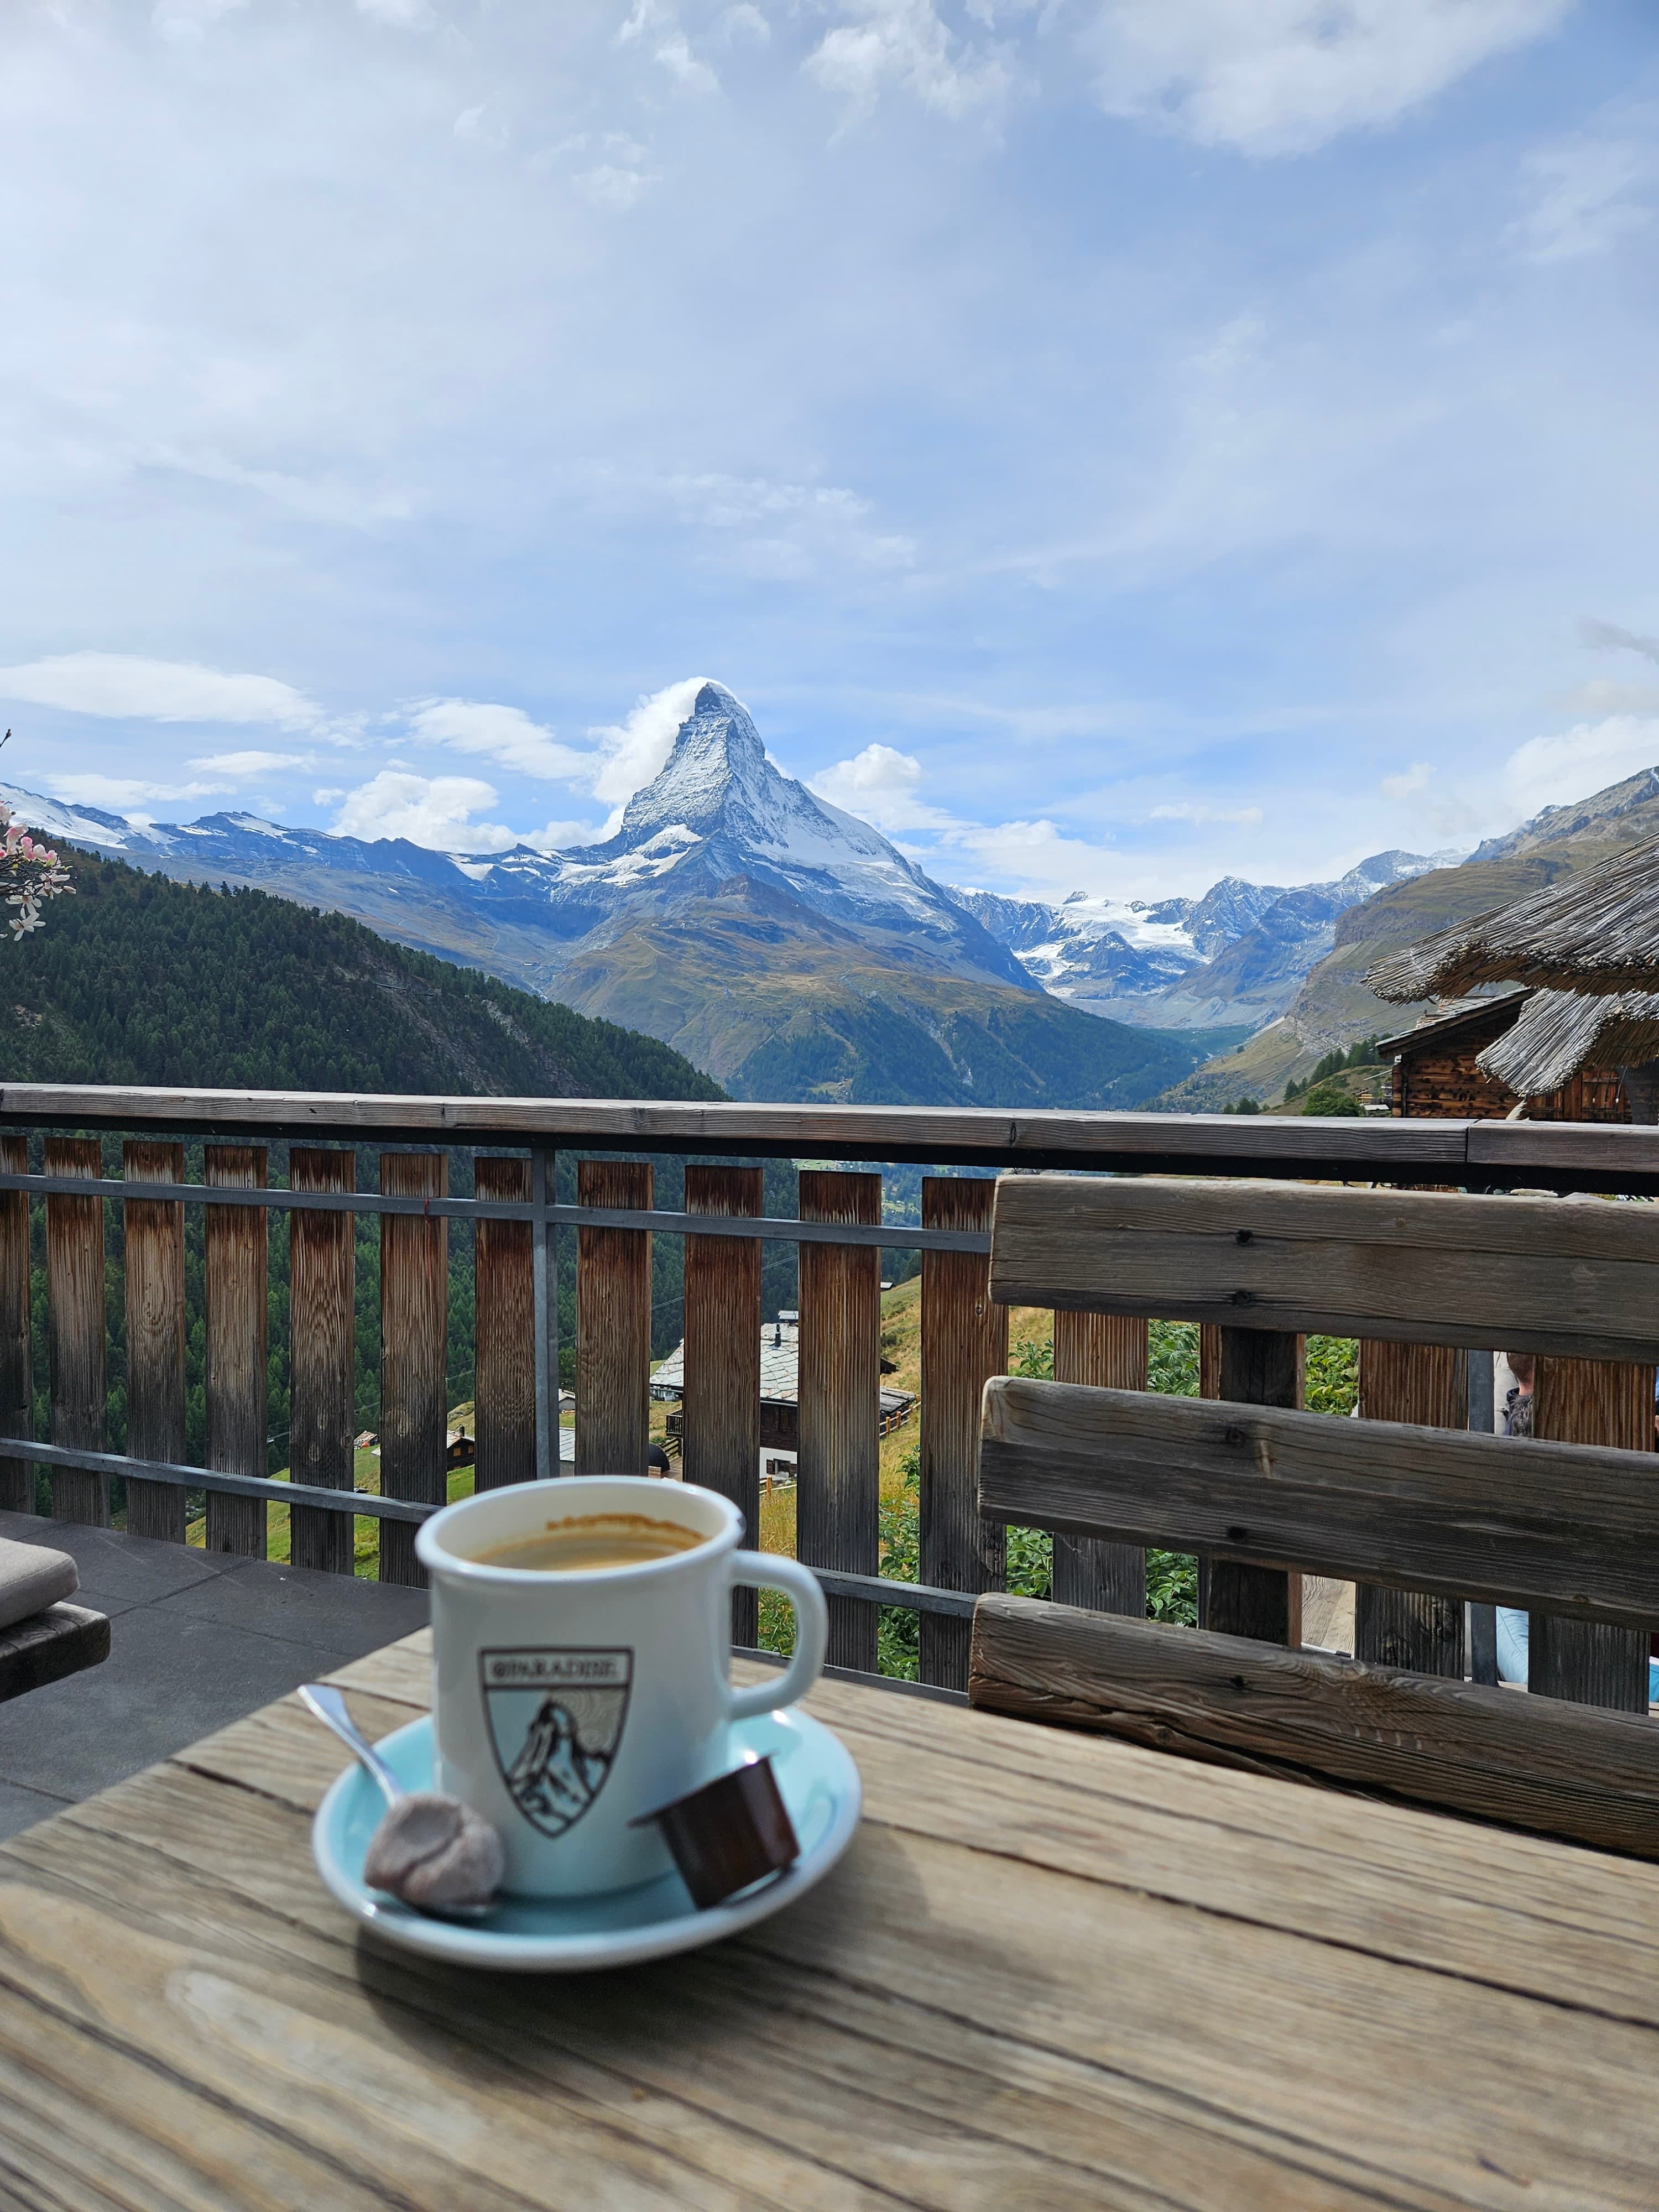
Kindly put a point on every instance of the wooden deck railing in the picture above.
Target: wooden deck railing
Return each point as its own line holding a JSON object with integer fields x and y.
{"x": 838, "y": 1228}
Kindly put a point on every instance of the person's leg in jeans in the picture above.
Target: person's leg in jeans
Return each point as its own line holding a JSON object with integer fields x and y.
{"x": 1512, "y": 1645}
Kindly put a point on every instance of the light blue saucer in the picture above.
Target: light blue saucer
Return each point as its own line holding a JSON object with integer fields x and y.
{"x": 560, "y": 1936}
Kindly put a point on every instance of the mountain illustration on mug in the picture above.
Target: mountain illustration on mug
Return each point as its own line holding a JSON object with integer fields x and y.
{"x": 556, "y": 1719}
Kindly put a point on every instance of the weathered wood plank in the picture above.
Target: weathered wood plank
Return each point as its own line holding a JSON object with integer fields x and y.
{"x": 1436, "y": 1509}
{"x": 1425, "y": 1385}
{"x": 968, "y": 1136}
{"x": 964, "y": 1341}
{"x": 613, "y": 1324}
{"x": 414, "y": 1348}
{"x": 154, "y": 1233}
{"x": 1495, "y": 1906}
{"x": 74, "y": 1315}
{"x": 1592, "y": 1401}
{"x": 1107, "y": 1351}
{"x": 504, "y": 1303}
{"x": 1414, "y": 1267}
{"x": 60, "y": 1641}
{"x": 238, "y": 1390}
{"x": 1053, "y": 2069}
{"x": 837, "y": 1482}
{"x": 16, "y": 1354}
{"x": 323, "y": 1326}
{"x": 720, "y": 1438}
{"x": 1258, "y": 1368}
{"x": 883, "y": 2099}
{"x": 1567, "y": 1770}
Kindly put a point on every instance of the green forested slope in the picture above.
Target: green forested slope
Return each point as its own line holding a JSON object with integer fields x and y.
{"x": 139, "y": 979}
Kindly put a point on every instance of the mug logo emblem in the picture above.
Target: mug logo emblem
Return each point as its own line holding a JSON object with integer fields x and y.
{"x": 555, "y": 1718}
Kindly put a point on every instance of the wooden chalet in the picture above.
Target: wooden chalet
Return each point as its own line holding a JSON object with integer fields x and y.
{"x": 1438, "y": 1074}
{"x": 780, "y": 1393}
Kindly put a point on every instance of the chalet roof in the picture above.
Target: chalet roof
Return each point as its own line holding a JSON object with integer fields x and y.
{"x": 1460, "y": 1023}
{"x": 780, "y": 1367}
{"x": 1561, "y": 1031}
{"x": 1595, "y": 933}
{"x": 779, "y": 1380}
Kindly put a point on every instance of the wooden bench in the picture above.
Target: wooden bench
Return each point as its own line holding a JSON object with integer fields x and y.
{"x": 1261, "y": 1491}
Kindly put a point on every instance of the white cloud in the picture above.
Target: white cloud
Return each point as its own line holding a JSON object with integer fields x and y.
{"x": 675, "y": 55}
{"x": 119, "y": 793}
{"x": 1586, "y": 197}
{"x": 1244, "y": 818}
{"x": 328, "y": 795}
{"x": 744, "y": 20}
{"x": 251, "y": 763}
{"x": 1547, "y": 771}
{"x": 883, "y": 786}
{"x": 614, "y": 188}
{"x": 433, "y": 811}
{"x": 1604, "y": 695}
{"x": 503, "y": 734}
{"x": 671, "y": 48}
{"x": 1038, "y": 857}
{"x": 187, "y": 20}
{"x": 633, "y": 750}
{"x": 556, "y": 836}
{"x": 1411, "y": 783}
{"x": 907, "y": 46}
{"x": 127, "y": 686}
{"x": 1284, "y": 76}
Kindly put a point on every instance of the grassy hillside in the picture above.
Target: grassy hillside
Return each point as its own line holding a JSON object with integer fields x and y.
{"x": 140, "y": 980}
{"x": 779, "y": 1011}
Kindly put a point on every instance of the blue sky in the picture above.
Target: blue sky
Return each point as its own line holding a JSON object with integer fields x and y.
{"x": 1109, "y": 443}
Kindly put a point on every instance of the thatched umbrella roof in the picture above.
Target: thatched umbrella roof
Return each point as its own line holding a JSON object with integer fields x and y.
{"x": 1593, "y": 933}
{"x": 1559, "y": 1032}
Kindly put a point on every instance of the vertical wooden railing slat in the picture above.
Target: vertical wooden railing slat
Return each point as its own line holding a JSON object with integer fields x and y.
{"x": 414, "y": 1353}
{"x": 1108, "y": 1351}
{"x": 613, "y": 1324}
{"x": 16, "y": 1354}
{"x": 1591, "y": 1401}
{"x": 837, "y": 1483}
{"x": 964, "y": 1341}
{"x": 1258, "y": 1367}
{"x": 721, "y": 1436}
{"x": 238, "y": 1390}
{"x": 76, "y": 1324}
{"x": 504, "y": 1333}
{"x": 322, "y": 1331}
{"x": 1426, "y": 1384}
{"x": 154, "y": 1233}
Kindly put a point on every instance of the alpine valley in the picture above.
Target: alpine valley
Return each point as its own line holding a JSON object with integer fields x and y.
{"x": 794, "y": 954}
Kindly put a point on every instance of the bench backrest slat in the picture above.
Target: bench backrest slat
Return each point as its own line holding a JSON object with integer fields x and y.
{"x": 1547, "y": 1275}
{"x": 1566, "y": 1528}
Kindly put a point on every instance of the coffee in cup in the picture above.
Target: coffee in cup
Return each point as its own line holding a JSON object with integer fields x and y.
{"x": 583, "y": 1543}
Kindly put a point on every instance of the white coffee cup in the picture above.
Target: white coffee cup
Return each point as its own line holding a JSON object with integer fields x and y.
{"x": 567, "y": 1705}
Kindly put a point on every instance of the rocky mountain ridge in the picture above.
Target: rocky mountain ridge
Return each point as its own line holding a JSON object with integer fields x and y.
{"x": 1237, "y": 954}
{"x": 1331, "y": 1005}
{"x": 786, "y": 947}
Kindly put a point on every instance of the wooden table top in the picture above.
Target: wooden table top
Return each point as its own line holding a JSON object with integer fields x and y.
{"x": 1051, "y": 1972}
